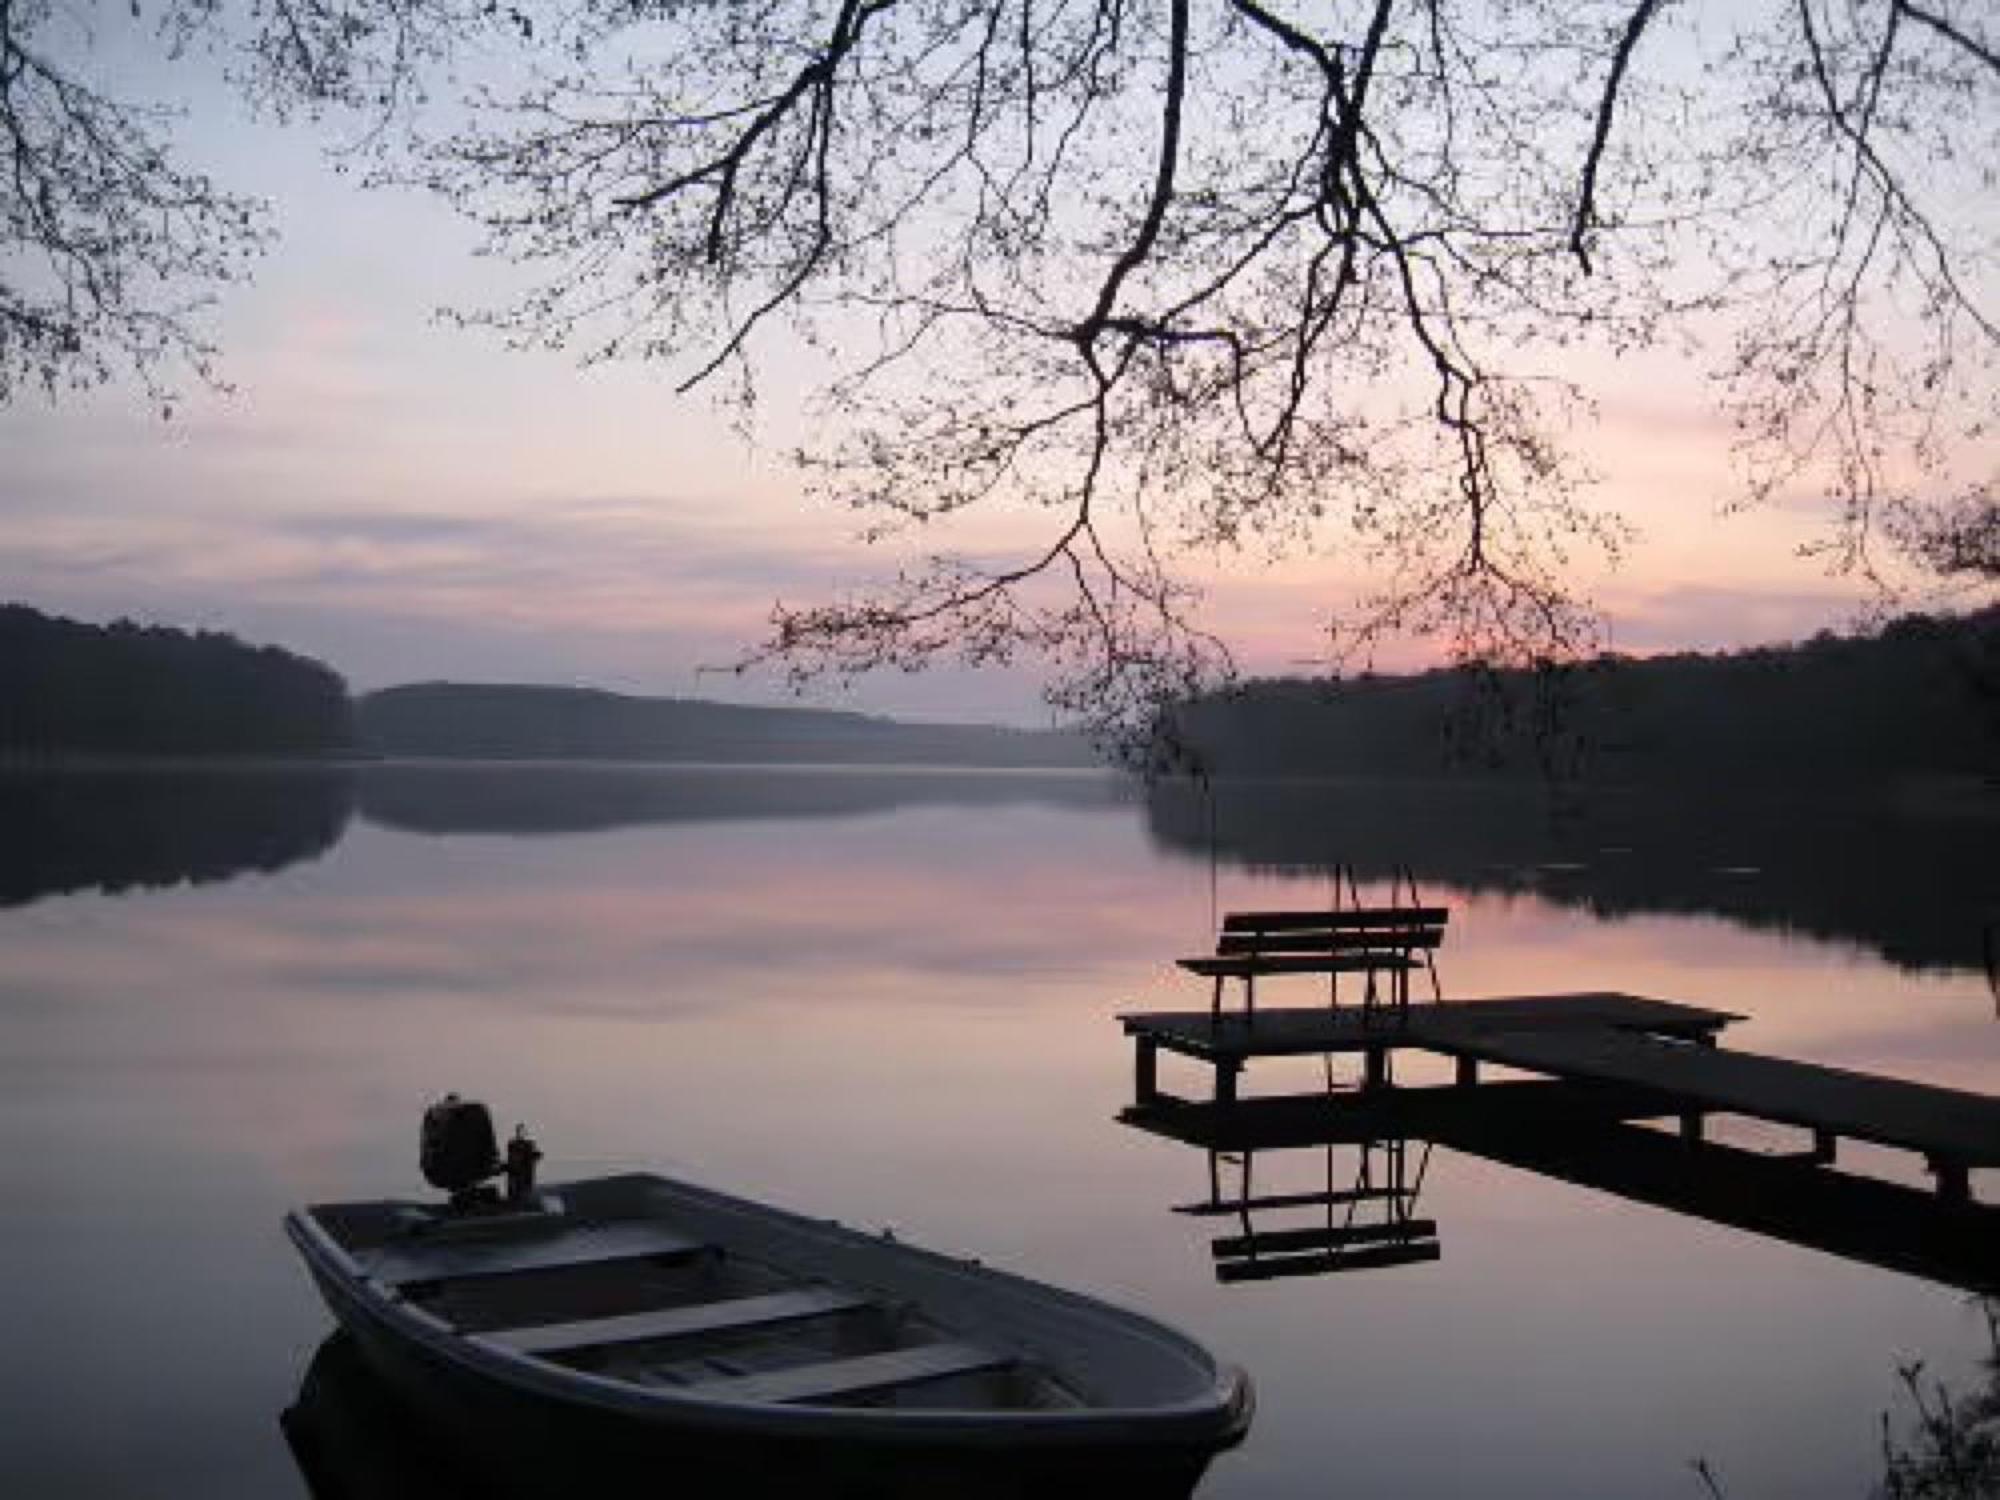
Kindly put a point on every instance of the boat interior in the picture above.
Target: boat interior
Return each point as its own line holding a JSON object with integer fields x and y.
{"x": 660, "y": 1305}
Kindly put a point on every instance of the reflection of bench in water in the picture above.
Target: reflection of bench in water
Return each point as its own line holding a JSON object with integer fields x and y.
{"x": 1658, "y": 1049}
{"x": 1368, "y": 1225}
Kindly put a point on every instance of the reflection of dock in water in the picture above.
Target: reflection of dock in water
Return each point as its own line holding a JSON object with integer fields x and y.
{"x": 1607, "y": 1061}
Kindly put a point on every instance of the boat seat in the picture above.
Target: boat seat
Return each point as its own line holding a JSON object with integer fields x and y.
{"x": 853, "y": 1377}
{"x": 417, "y": 1260}
{"x": 678, "y": 1322}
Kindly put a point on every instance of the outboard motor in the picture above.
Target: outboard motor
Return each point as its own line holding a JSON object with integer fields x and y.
{"x": 459, "y": 1153}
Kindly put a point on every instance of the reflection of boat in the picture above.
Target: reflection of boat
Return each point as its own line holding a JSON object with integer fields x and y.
{"x": 626, "y": 1315}
{"x": 353, "y": 1441}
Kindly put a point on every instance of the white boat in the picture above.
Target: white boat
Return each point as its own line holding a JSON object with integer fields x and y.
{"x": 629, "y": 1319}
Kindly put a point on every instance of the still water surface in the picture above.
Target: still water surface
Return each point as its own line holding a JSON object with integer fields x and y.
{"x": 887, "y": 998}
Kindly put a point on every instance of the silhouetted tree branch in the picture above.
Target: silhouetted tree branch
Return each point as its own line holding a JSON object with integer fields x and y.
{"x": 1178, "y": 277}
{"x": 109, "y": 248}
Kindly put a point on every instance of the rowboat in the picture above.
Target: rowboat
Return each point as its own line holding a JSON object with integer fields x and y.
{"x": 635, "y": 1319}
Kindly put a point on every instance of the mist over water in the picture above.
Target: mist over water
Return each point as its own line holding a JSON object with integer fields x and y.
{"x": 889, "y": 997}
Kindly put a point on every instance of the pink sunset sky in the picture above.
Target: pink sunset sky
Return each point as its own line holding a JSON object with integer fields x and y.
{"x": 406, "y": 500}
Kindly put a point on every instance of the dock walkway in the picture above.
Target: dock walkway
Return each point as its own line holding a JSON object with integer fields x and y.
{"x": 1661, "y": 1050}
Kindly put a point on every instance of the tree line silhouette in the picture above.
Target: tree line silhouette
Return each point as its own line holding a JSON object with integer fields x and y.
{"x": 68, "y": 688}
{"x": 1920, "y": 695}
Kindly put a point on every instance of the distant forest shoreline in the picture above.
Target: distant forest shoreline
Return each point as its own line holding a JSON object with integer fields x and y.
{"x": 1920, "y": 697}
{"x": 1917, "y": 700}
{"x": 78, "y": 696}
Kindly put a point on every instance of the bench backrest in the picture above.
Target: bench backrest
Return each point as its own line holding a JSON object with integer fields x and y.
{"x": 1333, "y": 931}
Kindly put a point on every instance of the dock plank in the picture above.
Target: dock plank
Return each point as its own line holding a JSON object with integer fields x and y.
{"x": 1297, "y": 1031}
{"x": 1948, "y": 1123}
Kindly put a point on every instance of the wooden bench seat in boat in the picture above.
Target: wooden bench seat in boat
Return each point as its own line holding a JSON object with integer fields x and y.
{"x": 860, "y": 1376}
{"x": 726, "y": 1316}
{"x": 1392, "y": 940}
{"x": 416, "y": 1259}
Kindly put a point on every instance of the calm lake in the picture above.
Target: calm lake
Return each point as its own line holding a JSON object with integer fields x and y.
{"x": 889, "y": 997}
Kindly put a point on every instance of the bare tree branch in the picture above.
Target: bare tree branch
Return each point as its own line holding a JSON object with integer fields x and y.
{"x": 1621, "y": 59}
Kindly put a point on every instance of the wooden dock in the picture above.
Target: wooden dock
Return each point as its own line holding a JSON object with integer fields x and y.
{"x": 1663, "y": 1052}
{"x": 1575, "y": 1132}
{"x": 1462, "y": 1029}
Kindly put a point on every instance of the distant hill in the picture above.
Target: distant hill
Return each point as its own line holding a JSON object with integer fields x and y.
{"x": 463, "y": 721}
{"x": 1921, "y": 695}
{"x": 70, "y": 689}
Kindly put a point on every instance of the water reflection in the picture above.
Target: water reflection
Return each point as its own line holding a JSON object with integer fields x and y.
{"x": 117, "y": 830}
{"x": 548, "y": 799}
{"x": 353, "y": 1441}
{"x": 899, "y": 1019}
{"x": 1360, "y": 1214}
{"x": 1368, "y": 1222}
{"x": 1922, "y": 895}
{"x": 1923, "y": 898}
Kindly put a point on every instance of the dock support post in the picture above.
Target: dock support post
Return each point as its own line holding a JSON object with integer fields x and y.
{"x": 1691, "y": 1127}
{"x": 1468, "y": 1071}
{"x": 1226, "y": 1069}
{"x": 1146, "y": 1069}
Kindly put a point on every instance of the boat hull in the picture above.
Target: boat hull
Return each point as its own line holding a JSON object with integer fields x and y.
{"x": 526, "y": 1436}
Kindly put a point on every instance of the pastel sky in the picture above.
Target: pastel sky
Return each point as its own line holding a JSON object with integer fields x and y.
{"x": 407, "y": 500}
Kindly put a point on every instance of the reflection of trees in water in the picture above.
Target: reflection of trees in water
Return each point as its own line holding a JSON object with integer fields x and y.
{"x": 113, "y": 830}
{"x": 1839, "y": 864}
{"x": 540, "y": 798}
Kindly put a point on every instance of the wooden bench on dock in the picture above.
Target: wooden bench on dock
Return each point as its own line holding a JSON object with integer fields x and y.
{"x": 1372, "y": 941}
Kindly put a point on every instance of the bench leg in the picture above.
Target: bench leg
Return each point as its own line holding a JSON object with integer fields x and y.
{"x": 1146, "y": 1070}
{"x": 1954, "y": 1181}
{"x": 1226, "y": 1070}
{"x": 1468, "y": 1071}
{"x": 1375, "y": 1066}
{"x": 1691, "y": 1126}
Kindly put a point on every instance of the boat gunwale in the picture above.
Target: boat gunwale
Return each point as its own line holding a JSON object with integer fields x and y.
{"x": 1216, "y": 1419}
